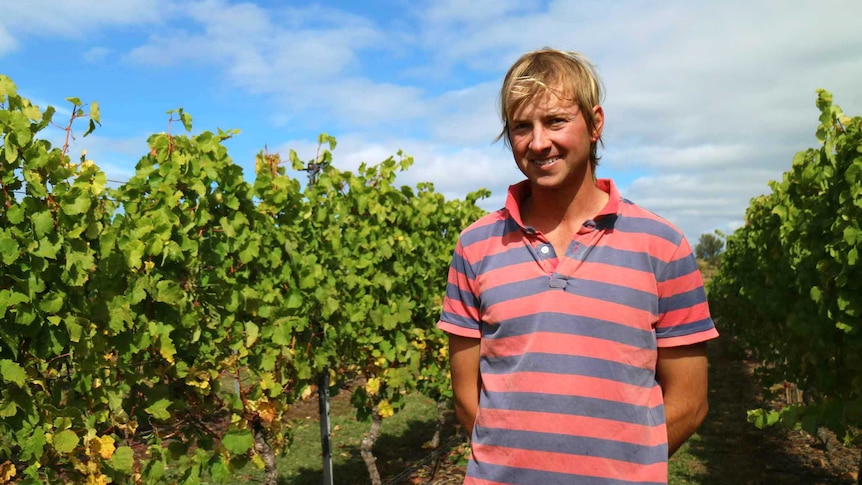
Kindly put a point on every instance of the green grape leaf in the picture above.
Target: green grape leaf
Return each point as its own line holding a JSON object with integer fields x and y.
{"x": 8, "y": 408}
{"x": 252, "y": 332}
{"x": 169, "y": 292}
{"x": 12, "y": 372}
{"x": 815, "y": 294}
{"x": 94, "y": 112}
{"x": 65, "y": 441}
{"x": 15, "y": 214}
{"x": 79, "y": 206}
{"x": 294, "y": 300}
{"x": 123, "y": 459}
{"x": 159, "y": 409}
{"x": 7, "y": 87}
{"x": 219, "y": 471}
{"x": 8, "y": 250}
{"x": 238, "y": 441}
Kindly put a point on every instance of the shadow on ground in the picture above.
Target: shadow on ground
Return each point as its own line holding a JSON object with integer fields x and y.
{"x": 734, "y": 451}
{"x": 395, "y": 454}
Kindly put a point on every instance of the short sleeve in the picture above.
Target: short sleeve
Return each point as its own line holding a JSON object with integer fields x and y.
{"x": 684, "y": 317}
{"x": 460, "y": 314}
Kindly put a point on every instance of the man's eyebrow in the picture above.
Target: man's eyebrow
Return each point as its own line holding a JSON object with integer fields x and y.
{"x": 556, "y": 112}
{"x": 571, "y": 111}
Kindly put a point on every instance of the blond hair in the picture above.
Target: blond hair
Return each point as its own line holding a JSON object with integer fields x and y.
{"x": 566, "y": 74}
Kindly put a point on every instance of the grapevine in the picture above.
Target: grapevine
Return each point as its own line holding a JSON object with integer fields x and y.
{"x": 159, "y": 331}
{"x": 790, "y": 282}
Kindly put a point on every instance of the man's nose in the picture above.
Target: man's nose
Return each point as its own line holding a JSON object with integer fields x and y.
{"x": 540, "y": 140}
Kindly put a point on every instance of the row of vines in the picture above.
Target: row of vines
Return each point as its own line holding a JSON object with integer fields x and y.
{"x": 790, "y": 281}
{"x": 128, "y": 314}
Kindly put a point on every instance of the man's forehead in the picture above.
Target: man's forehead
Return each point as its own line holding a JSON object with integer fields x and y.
{"x": 548, "y": 102}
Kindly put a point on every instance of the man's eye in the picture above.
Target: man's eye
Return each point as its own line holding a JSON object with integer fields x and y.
{"x": 557, "y": 121}
{"x": 520, "y": 127}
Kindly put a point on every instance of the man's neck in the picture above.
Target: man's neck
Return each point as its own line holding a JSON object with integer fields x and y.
{"x": 565, "y": 208}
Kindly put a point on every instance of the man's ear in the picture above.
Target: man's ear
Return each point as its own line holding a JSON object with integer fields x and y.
{"x": 598, "y": 122}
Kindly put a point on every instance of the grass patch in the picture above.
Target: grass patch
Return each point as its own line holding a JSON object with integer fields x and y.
{"x": 400, "y": 444}
{"x": 685, "y": 468}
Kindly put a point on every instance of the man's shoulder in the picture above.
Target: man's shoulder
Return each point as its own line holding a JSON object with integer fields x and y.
{"x": 634, "y": 218}
{"x": 629, "y": 208}
{"x": 493, "y": 223}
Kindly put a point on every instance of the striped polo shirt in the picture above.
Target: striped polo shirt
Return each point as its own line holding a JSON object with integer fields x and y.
{"x": 568, "y": 342}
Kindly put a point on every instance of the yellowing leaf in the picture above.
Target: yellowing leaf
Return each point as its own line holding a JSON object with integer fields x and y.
{"x": 384, "y": 409}
{"x": 266, "y": 410}
{"x": 306, "y": 392}
{"x": 103, "y": 447}
{"x": 7, "y": 472}
{"x": 79, "y": 466}
{"x": 267, "y": 381}
{"x": 97, "y": 479}
{"x": 252, "y": 331}
{"x": 166, "y": 347}
{"x": 372, "y": 387}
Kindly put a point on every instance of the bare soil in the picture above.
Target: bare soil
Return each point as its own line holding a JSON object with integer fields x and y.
{"x": 734, "y": 451}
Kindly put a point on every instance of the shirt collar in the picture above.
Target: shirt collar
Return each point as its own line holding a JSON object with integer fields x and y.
{"x": 521, "y": 190}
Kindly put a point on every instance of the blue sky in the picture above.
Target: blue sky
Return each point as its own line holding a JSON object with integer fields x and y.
{"x": 706, "y": 101}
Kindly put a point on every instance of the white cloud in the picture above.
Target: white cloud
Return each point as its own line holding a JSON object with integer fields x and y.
{"x": 700, "y": 203}
{"x": 96, "y": 54}
{"x": 466, "y": 117}
{"x": 692, "y": 157}
{"x": 709, "y": 100}
{"x": 7, "y": 42}
{"x": 449, "y": 11}
{"x": 78, "y": 18}
{"x": 262, "y": 50}
{"x": 274, "y": 53}
{"x": 365, "y": 103}
{"x": 706, "y": 101}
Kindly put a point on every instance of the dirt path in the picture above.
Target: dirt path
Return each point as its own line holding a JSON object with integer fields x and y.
{"x": 735, "y": 452}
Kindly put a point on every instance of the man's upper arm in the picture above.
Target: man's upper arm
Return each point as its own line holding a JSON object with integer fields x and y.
{"x": 684, "y": 366}
{"x": 464, "y": 353}
{"x": 683, "y": 375}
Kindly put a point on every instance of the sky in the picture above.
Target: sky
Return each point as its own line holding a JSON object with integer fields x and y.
{"x": 705, "y": 103}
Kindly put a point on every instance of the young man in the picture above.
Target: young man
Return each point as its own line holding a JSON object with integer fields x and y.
{"x": 576, "y": 319}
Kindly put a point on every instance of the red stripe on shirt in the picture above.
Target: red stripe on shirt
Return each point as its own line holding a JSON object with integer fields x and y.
{"x": 588, "y": 427}
{"x": 579, "y": 345}
{"x": 570, "y": 464}
{"x": 572, "y": 385}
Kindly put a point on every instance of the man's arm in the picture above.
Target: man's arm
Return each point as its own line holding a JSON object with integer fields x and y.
{"x": 464, "y": 365}
{"x": 682, "y": 373}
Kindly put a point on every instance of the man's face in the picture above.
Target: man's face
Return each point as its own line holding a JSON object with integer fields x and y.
{"x": 551, "y": 143}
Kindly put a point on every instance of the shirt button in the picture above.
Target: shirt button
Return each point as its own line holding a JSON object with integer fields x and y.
{"x": 545, "y": 250}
